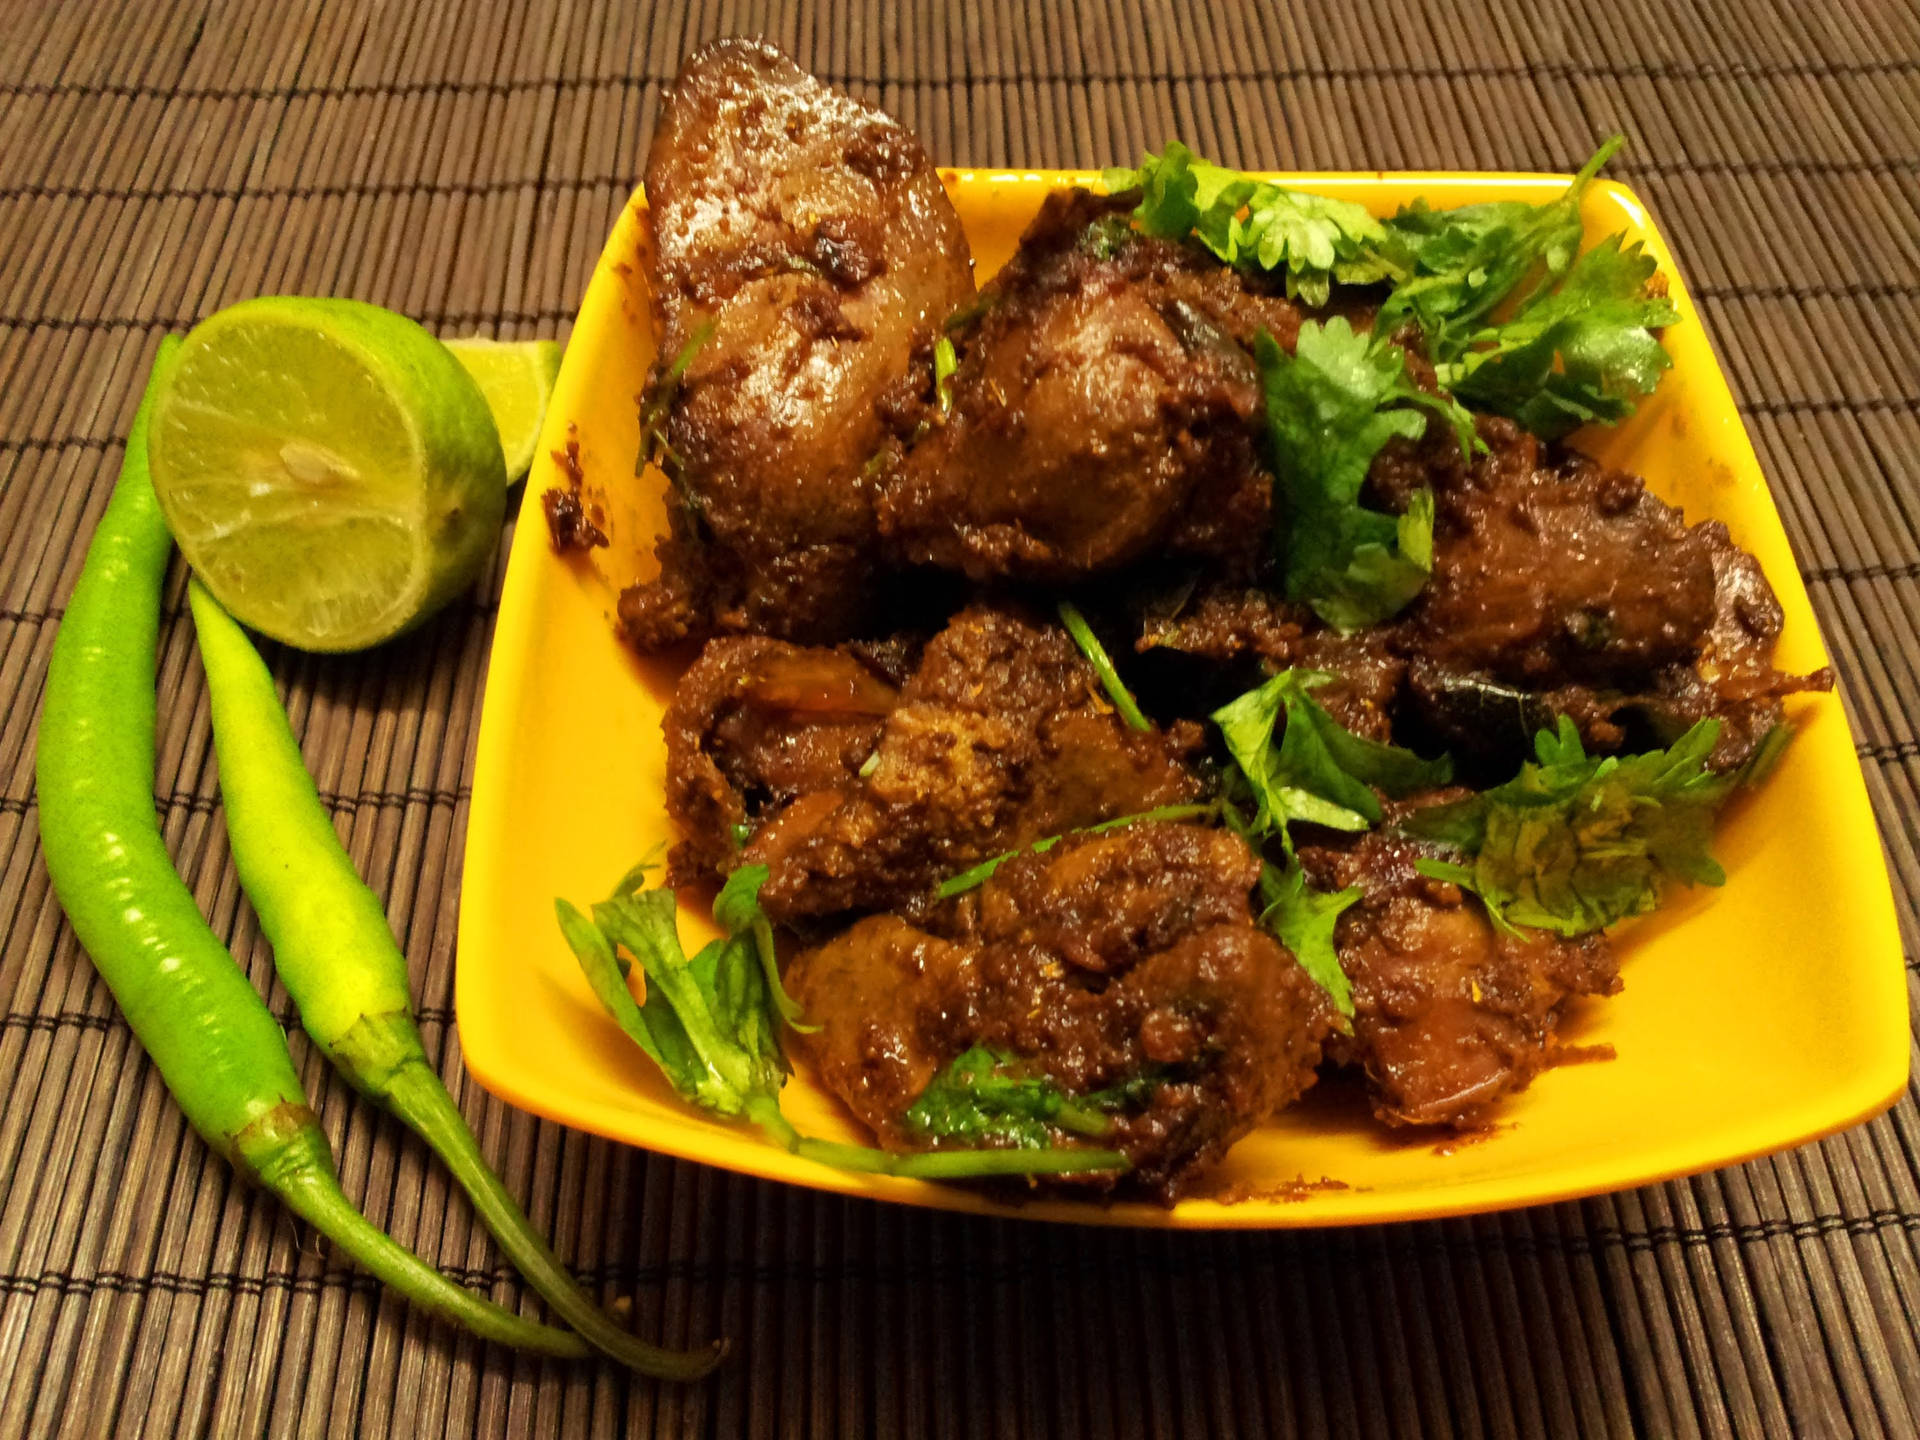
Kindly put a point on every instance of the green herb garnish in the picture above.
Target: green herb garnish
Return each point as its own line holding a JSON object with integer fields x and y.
{"x": 1580, "y": 354}
{"x": 709, "y": 1023}
{"x": 945, "y": 362}
{"x": 657, "y": 403}
{"x": 983, "y": 1095}
{"x": 1331, "y": 406}
{"x": 979, "y": 874}
{"x": 1312, "y": 240}
{"x": 1318, "y": 771}
{"x": 1575, "y": 842}
{"x": 1462, "y": 264}
{"x": 1102, "y": 663}
{"x": 1303, "y": 919}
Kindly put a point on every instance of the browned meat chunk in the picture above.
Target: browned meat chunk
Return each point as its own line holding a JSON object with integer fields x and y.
{"x": 1570, "y": 590}
{"x": 1733, "y": 679}
{"x": 1450, "y": 1013}
{"x": 755, "y": 722}
{"x": 1001, "y": 737}
{"x": 1563, "y": 574}
{"x": 1228, "y": 623}
{"x": 813, "y": 237}
{"x": 1117, "y": 958}
{"x": 1104, "y": 406}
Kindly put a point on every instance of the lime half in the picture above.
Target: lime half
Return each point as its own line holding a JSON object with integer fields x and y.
{"x": 517, "y": 378}
{"x": 328, "y": 468}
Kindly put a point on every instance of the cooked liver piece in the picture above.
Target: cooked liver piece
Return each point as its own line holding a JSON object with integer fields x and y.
{"x": 753, "y": 723}
{"x": 813, "y": 235}
{"x": 1450, "y": 1013}
{"x": 1171, "y": 984}
{"x": 1558, "y": 574}
{"x": 1001, "y": 737}
{"x": 1564, "y": 588}
{"x": 1105, "y": 405}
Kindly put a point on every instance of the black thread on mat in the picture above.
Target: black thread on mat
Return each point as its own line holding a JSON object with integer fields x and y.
{"x": 187, "y": 322}
{"x": 1527, "y": 70}
{"x": 1832, "y": 405}
{"x": 1426, "y": 1242}
{"x": 1823, "y": 573}
{"x": 1812, "y": 290}
{"x": 1883, "y": 751}
{"x": 60, "y": 1020}
{"x": 28, "y": 444}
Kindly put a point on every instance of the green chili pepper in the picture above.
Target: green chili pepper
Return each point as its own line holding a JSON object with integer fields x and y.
{"x": 337, "y": 958}
{"x": 216, "y": 1045}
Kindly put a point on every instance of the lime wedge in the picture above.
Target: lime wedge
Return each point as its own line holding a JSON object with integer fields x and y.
{"x": 328, "y": 468}
{"x": 517, "y": 378}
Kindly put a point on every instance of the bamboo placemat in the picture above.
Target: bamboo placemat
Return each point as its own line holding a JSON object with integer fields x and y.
{"x": 461, "y": 160}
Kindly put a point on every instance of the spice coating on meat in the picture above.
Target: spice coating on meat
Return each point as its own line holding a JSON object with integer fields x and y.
{"x": 809, "y": 240}
{"x": 1570, "y": 573}
{"x": 753, "y": 723}
{"x": 1001, "y": 737}
{"x": 1185, "y": 994}
{"x": 1569, "y": 589}
{"x": 1105, "y": 405}
{"x": 1450, "y": 1013}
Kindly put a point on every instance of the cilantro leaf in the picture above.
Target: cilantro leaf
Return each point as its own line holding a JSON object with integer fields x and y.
{"x": 1312, "y": 240}
{"x": 1574, "y": 343}
{"x": 657, "y": 404}
{"x": 1461, "y": 264}
{"x": 737, "y": 911}
{"x": 1331, "y": 406}
{"x": 978, "y": 875}
{"x": 1303, "y": 919}
{"x": 1319, "y": 772}
{"x": 1584, "y": 352}
{"x": 1575, "y": 843}
{"x": 1103, "y": 666}
{"x": 709, "y": 1024}
{"x": 983, "y": 1095}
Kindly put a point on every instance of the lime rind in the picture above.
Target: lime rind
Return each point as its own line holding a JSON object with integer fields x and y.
{"x": 517, "y": 378}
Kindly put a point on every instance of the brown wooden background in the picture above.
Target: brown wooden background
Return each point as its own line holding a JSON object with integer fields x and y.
{"x": 461, "y": 160}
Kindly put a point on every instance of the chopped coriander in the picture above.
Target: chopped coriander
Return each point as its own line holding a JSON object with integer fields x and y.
{"x": 945, "y": 362}
{"x": 1462, "y": 264}
{"x": 1579, "y": 354}
{"x": 1331, "y": 406}
{"x": 656, "y": 404}
{"x": 1102, "y": 663}
{"x": 709, "y": 1024}
{"x": 1312, "y": 240}
{"x": 1575, "y": 843}
{"x": 1319, "y": 771}
{"x": 979, "y": 874}
{"x": 982, "y": 1095}
{"x": 1303, "y": 919}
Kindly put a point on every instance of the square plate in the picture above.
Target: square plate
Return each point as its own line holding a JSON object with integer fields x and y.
{"x": 1755, "y": 1017}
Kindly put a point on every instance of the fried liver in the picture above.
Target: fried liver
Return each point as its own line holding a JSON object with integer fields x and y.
{"x": 1125, "y": 957}
{"x": 1450, "y": 1013}
{"x": 1001, "y": 737}
{"x": 1105, "y": 406}
{"x": 809, "y": 240}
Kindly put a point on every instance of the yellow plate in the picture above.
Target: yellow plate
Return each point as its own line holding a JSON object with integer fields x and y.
{"x": 1755, "y": 1017}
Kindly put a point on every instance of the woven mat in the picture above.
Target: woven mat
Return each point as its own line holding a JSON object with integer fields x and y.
{"x": 461, "y": 160}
